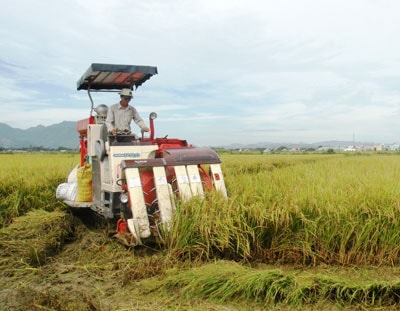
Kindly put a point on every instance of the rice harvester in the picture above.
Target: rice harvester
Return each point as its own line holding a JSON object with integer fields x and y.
{"x": 134, "y": 181}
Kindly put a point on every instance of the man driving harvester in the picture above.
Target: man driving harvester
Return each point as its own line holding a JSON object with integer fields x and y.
{"x": 120, "y": 115}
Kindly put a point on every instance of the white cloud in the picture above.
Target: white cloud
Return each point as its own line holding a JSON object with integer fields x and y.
{"x": 229, "y": 71}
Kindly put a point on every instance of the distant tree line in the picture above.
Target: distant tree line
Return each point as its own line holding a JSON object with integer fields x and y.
{"x": 38, "y": 149}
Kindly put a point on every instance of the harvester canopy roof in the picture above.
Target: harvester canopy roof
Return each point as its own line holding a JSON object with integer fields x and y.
{"x": 114, "y": 77}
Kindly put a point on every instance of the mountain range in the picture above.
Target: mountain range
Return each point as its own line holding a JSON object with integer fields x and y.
{"x": 64, "y": 135}
{"x": 61, "y": 135}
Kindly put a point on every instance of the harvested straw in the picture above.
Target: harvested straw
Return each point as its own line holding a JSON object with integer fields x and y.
{"x": 32, "y": 238}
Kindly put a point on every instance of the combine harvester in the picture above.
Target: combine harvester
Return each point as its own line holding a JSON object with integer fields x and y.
{"x": 132, "y": 181}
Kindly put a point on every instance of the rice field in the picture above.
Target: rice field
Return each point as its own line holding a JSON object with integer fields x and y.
{"x": 298, "y": 232}
{"x": 301, "y": 209}
{"x": 28, "y": 181}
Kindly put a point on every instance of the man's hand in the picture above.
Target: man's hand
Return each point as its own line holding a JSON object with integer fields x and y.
{"x": 145, "y": 129}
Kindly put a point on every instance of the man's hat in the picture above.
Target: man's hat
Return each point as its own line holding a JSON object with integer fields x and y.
{"x": 126, "y": 92}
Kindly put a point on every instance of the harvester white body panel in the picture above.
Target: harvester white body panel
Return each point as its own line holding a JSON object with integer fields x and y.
{"x": 138, "y": 204}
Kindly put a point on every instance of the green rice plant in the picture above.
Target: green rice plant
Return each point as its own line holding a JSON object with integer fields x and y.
{"x": 226, "y": 281}
{"x": 347, "y": 291}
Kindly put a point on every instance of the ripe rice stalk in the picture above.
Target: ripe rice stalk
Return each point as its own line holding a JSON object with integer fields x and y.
{"x": 28, "y": 181}
{"x": 301, "y": 213}
{"x": 204, "y": 229}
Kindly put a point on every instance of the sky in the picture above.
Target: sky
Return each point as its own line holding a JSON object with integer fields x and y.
{"x": 229, "y": 71}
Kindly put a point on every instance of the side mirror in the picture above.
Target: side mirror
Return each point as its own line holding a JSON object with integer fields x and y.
{"x": 153, "y": 116}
